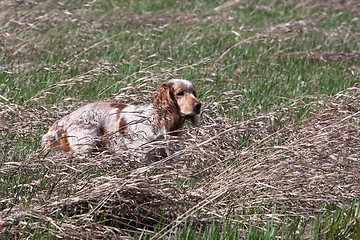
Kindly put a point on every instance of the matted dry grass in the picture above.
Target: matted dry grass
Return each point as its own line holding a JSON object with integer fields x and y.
{"x": 268, "y": 164}
{"x": 226, "y": 168}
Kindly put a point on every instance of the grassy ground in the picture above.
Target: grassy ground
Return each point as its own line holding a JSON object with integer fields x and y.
{"x": 277, "y": 153}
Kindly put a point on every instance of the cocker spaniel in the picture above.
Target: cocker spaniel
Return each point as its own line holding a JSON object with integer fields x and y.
{"x": 117, "y": 126}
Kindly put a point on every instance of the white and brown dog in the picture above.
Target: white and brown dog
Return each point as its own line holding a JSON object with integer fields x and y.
{"x": 118, "y": 126}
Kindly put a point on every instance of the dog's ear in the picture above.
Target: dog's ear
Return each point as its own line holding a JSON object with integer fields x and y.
{"x": 165, "y": 104}
{"x": 165, "y": 101}
{"x": 164, "y": 98}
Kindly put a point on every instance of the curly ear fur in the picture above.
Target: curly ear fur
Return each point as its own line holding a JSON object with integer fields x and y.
{"x": 165, "y": 105}
{"x": 164, "y": 99}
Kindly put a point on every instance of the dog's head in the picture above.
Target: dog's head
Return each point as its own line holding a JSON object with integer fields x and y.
{"x": 179, "y": 97}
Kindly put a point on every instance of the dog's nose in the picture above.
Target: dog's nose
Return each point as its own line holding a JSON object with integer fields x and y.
{"x": 197, "y": 107}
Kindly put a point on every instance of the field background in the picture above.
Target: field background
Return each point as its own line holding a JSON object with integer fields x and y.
{"x": 277, "y": 154}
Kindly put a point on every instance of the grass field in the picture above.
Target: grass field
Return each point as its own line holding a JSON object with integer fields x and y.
{"x": 277, "y": 155}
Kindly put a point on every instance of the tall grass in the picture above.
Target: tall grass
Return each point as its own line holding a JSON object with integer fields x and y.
{"x": 276, "y": 155}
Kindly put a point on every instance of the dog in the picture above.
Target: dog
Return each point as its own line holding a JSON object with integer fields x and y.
{"x": 117, "y": 126}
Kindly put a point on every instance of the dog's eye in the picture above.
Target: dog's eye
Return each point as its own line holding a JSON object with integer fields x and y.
{"x": 180, "y": 93}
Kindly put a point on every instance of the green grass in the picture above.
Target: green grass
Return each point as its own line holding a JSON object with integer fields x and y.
{"x": 81, "y": 48}
{"x": 334, "y": 223}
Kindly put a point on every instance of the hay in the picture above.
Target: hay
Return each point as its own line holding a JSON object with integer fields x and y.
{"x": 226, "y": 167}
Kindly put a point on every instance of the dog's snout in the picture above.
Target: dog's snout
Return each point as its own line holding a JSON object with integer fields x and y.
{"x": 197, "y": 107}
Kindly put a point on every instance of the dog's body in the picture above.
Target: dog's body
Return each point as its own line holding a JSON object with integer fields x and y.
{"x": 118, "y": 126}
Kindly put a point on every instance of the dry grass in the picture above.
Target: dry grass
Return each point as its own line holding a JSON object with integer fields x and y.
{"x": 267, "y": 166}
{"x": 226, "y": 167}
{"x": 349, "y": 5}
